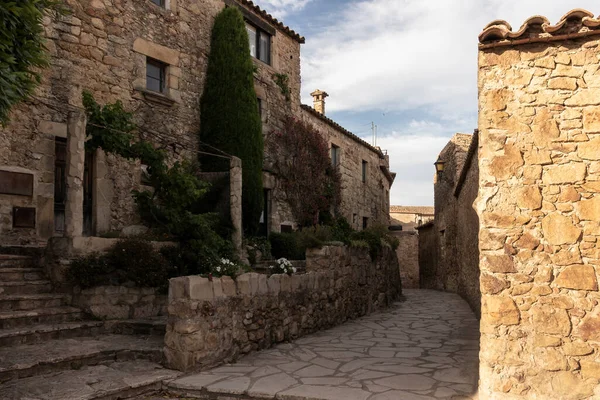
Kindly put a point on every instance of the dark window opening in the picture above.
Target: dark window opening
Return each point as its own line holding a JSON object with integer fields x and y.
{"x": 23, "y": 217}
{"x": 260, "y": 43}
{"x": 156, "y": 75}
{"x": 266, "y": 214}
{"x": 287, "y": 229}
{"x": 160, "y": 3}
{"x": 335, "y": 155}
{"x": 60, "y": 183}
{"x": 364, "y": 171}
{"x": 365, "y": 222}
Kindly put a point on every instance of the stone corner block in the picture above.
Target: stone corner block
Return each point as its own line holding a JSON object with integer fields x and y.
{"x": 200, "y": 288}
{"x": 177, "y": 288}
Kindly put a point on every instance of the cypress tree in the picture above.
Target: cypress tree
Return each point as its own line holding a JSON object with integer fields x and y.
{"x": 230, "y": 120}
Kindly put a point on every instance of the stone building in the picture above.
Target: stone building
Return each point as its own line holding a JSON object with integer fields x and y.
{"x": 448, "y": 251}
{"x": 152, "y": 56}
{"x": 408, "y": 218}
{"x": 539, "y": 208}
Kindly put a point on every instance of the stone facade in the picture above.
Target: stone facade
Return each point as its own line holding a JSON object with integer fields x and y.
{"x": 103, "y": 46}
{"x": 539, "y": 209}
{"x": 409, "y": 218}
{"x": 211, "y": 322}
{"x": 454, "y": 264}
{"x": 365, "y": 199}
{"x": 408, "y": 258}
{"x": 120, "y": 302}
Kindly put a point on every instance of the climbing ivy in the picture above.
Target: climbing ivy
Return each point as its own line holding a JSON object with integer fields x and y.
{"x": 22, "y": 51}
{"x": 283, "y": 81}
{"x": 311, "y": 184}
{"x": 173, "y": 204}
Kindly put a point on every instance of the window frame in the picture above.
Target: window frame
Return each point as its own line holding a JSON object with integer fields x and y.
{"x": 365, "y": 166}
{"x": 261, "y": 33}
{"x": 162, "y": 79}
{"x": 335, "y": 155}
{"x": 160, "y": 3}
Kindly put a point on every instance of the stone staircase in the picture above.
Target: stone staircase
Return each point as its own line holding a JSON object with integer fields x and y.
{"x": 50, "y": 350}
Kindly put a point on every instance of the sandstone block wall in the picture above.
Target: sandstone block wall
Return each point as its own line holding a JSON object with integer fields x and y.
{"x": 539, "y": 209}
{"x": 102, "y": 46}
{"x": 360, "y": 199}
{"x": 429, "y": 247}
{"x": 120, "y": 302}
{"x": 408, "y": 258}
{"x": 211, "y": 322}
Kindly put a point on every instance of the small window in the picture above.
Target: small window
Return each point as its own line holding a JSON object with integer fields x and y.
{"x": 364, "y": 171}
{"x": 160, "y": 3}
{"x": 365, "y": 222}
{"x": 155, "y": 75}
{"x": 287, "y": 229}
{"x": 335, "y": 155}
{"x": 260, "y": 43}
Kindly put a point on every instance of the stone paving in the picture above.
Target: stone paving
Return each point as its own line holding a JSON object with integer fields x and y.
{"x": 424, "y": 348}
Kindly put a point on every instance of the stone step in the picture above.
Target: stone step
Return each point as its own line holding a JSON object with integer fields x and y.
{"x": 25, "y": 287}
{"x": 41, "y": 333}
{"x": 21, "y": 274}
{"x": 112, "y": 381}
{"x": 14, "y": 261}
{"x": 22, "y": 302}
{"x": 151, "y": 326}
{"x": 57, "y": 315}
{"x": 24, "y": 361}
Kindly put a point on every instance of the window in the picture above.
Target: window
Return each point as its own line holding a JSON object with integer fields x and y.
{"x": 155, "y": 75}
{"x": 364, "y": 171}
{"x": 335, "y": 155}
{"x": 260, "y": 43}
{"x": 160, "y": 3}
{"x": 365, "y": 222}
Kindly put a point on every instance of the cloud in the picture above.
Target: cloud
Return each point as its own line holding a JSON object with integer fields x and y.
{"x": 413, "y": 163}
{"x": 410, "y": 57}
{"x": 411, "y": 54}
{"x": 282, "y": 8}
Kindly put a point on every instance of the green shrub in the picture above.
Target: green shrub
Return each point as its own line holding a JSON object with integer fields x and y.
{"x": 22, "y": 50}
{"x": 287, "y": 245}
{"x": 376, "y": 237}
{"x": 255, "y": 245}
{"x": 91, "y": 270}
{"x": 360, "y": 244}
{"x": 341, "y": 230}
{"x": 139, "y": 262}
{"x": 230, "y": 120}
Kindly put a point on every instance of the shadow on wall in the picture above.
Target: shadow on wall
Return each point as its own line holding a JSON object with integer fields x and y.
{"x": 448, "y": 246}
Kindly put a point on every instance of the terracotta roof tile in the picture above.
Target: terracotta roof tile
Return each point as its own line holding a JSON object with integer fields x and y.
{"x": 575, "y": 23}
{"x": 412, "y": 210}
{"x": 342, "y": 129}
{"x": 271, "y": 19}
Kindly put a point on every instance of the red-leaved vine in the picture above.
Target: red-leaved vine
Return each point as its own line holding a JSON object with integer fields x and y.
{"x": 300, "y": 157}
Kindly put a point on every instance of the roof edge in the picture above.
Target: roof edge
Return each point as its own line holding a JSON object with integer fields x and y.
{"x": 539, "y": 29}
{"x": 467, "y": 164}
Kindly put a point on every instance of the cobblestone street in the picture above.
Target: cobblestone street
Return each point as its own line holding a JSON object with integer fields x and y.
{"x": 423, "y": 348}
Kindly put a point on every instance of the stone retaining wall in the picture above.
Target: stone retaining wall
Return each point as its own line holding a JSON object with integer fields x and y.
{"x": 211, "y": 322}
{"x": 120, "y": 302}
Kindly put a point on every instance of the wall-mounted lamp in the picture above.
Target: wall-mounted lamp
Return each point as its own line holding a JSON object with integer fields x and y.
{"x": 439, "y": 166}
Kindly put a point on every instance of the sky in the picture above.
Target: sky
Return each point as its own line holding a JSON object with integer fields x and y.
{"x": 409, "y": 66}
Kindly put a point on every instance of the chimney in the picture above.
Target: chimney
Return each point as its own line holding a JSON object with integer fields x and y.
{"x": 319, "y": 97}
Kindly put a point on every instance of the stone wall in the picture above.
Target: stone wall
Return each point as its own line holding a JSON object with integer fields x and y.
{"x": 539, "y": 209}
{"x": 429, "y": 247}
{"x": 408, "y": 258}
{"x": 120, "y": 302}
{"x": 102, "y": 46}
{"x": 211, "y": 322}
{"x": 369, "y": 199}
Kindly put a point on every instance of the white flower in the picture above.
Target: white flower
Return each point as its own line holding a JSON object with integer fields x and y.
{"x": 294, "y": 269}
{"x": 218, "y": 269}
{"x": 271, "y": 267}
